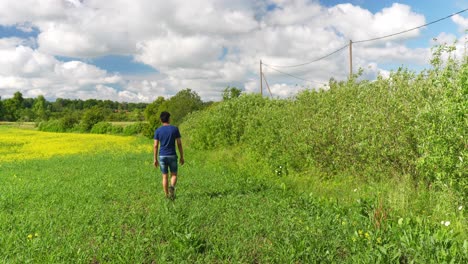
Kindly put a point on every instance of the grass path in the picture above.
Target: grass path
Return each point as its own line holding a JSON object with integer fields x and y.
{"x": 109, "y": 208}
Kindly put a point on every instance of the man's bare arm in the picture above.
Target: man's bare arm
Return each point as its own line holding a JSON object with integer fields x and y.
{"x": 181, "y": 151}
{"x": 156, "y": 148}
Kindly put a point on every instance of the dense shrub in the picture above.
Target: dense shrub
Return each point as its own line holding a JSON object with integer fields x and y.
{"x": 51, "y": 126}
{"x": 102, "y": 128}
{"x": 91, "y": 117}
{"x": 69, "y": 122}
{"x": 407, "y": 124}
{"x": 139, "y": 128}
{"x": 442, "y": 124}
{"x": 116, "y": 129}
{"x": 222, "y": 124}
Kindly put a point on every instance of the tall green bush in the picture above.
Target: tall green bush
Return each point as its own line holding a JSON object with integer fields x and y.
{"x": 406, "y": 124}
{"x": 102, "y": 128}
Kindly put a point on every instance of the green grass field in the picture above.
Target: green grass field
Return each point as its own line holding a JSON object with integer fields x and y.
{"x": 108, "y": 207}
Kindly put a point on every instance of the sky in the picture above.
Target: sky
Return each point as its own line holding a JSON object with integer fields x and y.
{"x": 136, "y": 51}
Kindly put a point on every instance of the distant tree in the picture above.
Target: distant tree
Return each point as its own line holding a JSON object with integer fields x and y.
{"x": 183, "y": 103}
{"x": 91, "y": 117}
{"x": 13, "y": 107}
{"x": 231, "y": 93}
{"x": 90, "y": 103}
{"x": 153, "y": 110}
{"x": 1, "y": 110}
{"x": 40, "y": 108}
{"x": 18, "y": 100}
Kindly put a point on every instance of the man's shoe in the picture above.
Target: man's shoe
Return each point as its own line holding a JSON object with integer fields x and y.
{"x": 171, "y": 192}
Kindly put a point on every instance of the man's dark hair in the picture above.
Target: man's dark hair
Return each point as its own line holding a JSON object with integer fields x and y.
{"x": 165, "y": 117}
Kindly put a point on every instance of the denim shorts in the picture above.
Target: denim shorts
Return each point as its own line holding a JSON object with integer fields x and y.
{"x": 167, "y": 163}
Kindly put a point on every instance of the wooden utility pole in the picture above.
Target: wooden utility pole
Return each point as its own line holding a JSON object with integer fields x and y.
{"x": 268, "y": 86}
{"x": 261, "y": 79}
{"x": 350, "y": 59}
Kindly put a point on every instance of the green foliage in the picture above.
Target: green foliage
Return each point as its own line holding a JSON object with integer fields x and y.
{"x": 102, "y": 128}
{"x": 116, "y": 130}
{"x": 407, "y": 124}
{"x": 138, "y": 128}
{"x": 442, "y": 125}
{"x": 12, "y": 107}
{"x": 52, "y": 126}
{"x": 39, "y": 108}
{"x": 2, "y": 111}
{"x": 91, "y": 117}
{"x": 231, "y": 93}
{"x": 222, "y": 124}
{"x": 183, "y": 103}
{"x": 153, "y": 110}
{"x": 69, "y": 121}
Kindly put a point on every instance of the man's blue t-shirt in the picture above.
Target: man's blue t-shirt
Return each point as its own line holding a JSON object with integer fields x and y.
{"x": 166, "y": 135}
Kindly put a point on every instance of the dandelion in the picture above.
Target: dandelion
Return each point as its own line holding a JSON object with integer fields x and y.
{"x": 367, "y": 235}
{"x": 30, "y": 236}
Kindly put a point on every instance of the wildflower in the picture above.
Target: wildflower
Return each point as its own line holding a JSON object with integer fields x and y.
{"x": 30, "y": 236}
{"x": 360, "y": 232}
{"x": 36, "y": 235}
{"x": 354, "y": 239}
{"x": 447, "y": 223}
{"x": 355, "y": 190}
{"x": 460, "y": 207}
{"x": 379, "y": 240}
{"x": 367, "y": 235}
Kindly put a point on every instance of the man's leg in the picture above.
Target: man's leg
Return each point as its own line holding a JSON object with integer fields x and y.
{"x": 172, "y": 187}
{"x": 173, "y": 179}
{"x": 164, "y": 183}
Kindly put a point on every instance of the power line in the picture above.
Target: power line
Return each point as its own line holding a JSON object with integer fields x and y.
{"x": 293, "y": 75}
{"x": 349, "y": 45}
{"x": 408, "y": 30}
{"x": 367, "y": 40}
{"x": 302, "y": 64}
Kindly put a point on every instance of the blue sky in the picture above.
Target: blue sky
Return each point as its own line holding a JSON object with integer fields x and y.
{"x": 139, "y": 50}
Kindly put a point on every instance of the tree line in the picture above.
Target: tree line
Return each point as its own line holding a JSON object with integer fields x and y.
{"x": 39, "y": 109}
{"x": 96, "y": 116}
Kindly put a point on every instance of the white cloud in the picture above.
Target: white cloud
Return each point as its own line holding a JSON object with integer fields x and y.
{"x": 349, "y": 21}
{"x": 14, "y": 12}
{"x": 179, "y": 51}
{"x": 461, "y": 22}
{"x": 204, "y": 45}
{"x": 34, "y": 72}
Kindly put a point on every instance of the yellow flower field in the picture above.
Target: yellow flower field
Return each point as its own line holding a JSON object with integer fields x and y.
{"x": 22, "y": 144}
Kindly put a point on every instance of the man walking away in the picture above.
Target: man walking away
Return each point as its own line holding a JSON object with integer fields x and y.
{"x": 165, "y": 138}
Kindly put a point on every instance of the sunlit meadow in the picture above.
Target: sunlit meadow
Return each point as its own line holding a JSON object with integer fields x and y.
{"x": 75, "y": 198}
{"x": 22, "y": 144}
